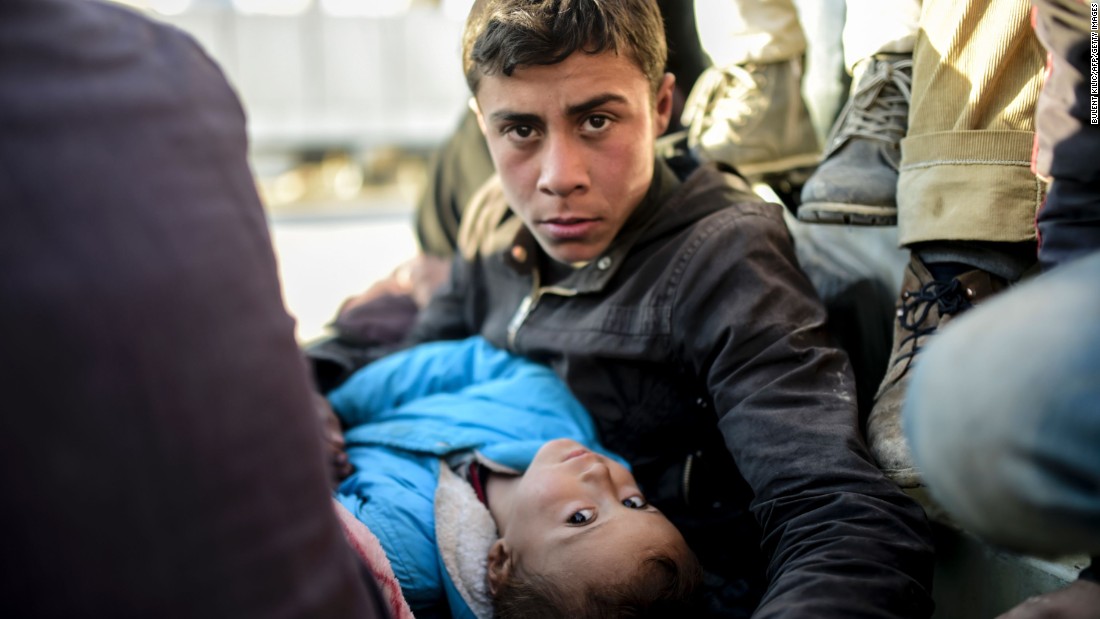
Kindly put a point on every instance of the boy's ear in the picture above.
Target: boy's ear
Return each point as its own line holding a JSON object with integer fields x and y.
{"x": 663, "y": 103}
{"x": 500, "y": 565}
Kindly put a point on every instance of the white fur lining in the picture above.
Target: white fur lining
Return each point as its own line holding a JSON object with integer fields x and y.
{"x": 465, "y": 532}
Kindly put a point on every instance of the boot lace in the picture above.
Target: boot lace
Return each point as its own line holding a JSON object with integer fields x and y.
{"x": 879, "y": 108}
{"x": 949, "y": 297}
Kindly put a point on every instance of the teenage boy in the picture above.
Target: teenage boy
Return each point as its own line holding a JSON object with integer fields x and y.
{"x": 676, "y": 312}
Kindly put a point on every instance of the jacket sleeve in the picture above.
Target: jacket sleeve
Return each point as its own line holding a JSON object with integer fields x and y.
{"x": 334, "y": 359}
{"x": 419, "y": 372}
{"x": 446, "y": 317}
{"x": 841, "y": 540}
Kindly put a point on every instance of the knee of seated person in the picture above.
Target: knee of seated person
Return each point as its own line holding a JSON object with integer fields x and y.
{"x": 1024, "y": 361}
{"x": 1000, "y": 417}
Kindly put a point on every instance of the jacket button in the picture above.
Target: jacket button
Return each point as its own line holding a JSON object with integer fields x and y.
{"x": 604, "y": 263}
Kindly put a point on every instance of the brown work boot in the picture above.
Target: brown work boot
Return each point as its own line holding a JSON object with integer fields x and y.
{"x": 925, "y": 305}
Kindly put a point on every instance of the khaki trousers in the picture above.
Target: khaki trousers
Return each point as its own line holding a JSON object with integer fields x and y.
{"x": 965, "y": 167}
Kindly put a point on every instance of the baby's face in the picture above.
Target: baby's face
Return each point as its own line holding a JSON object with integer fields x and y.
{"x": 579, "y": 514}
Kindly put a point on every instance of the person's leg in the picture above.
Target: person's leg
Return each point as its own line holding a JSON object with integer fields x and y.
{"x": 747, "y": 109}
{"x": 965, "y": 170}
{"x": 967, "y": 198}
{"x": 1047, "y": 507}
{"x": 1068, "y": 135}
{"x": 1003, "y": 415}
{"x": 1067, "y": 146}
{"x": 856, "y": 182}
{"x": 877, "y": 27}
{"x": 757, "y": 31}
{"x": 825, "y": 82}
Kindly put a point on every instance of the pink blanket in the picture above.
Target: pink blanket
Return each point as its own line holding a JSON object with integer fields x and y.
{"x": 369, "y": 549}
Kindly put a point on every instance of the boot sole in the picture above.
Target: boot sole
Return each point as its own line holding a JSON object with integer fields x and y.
{"x": 847, "y": 214}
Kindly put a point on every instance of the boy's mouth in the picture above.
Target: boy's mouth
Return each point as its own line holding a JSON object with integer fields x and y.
{"x": 567, "y": 228}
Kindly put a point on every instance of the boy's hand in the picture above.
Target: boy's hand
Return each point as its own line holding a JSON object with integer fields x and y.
{"x": 1080, "y": 600}
{"x": 333, "y": 436}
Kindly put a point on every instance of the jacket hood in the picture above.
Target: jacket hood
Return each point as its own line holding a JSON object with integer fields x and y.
{"x": 673, "y": 204}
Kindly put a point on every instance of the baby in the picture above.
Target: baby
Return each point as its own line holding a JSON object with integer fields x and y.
{"x": 482, "y": 478}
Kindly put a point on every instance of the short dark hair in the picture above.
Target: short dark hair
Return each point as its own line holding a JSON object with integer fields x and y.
{"x": 661, "y": 587}
{"x": 501, "y": 35}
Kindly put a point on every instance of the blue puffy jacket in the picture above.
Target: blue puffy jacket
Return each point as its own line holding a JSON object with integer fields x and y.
{"x": 405, "y": 412}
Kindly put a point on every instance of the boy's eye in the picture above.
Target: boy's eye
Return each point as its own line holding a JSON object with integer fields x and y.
{"x": 521, "y": 131}
{"x": 635, "y": 502}
{"x": 597, "y": 122}
{"x": 580, "y": 517}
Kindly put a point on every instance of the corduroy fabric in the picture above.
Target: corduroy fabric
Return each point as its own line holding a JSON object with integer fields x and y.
{"x": 965, "y": 168}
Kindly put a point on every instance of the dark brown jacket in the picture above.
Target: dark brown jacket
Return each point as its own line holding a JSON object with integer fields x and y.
{"x": 699, "y": 346}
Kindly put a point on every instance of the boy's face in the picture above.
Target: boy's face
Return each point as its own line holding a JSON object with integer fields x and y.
{"x": 574, "y": 145}
{"x": 578, "y": 514}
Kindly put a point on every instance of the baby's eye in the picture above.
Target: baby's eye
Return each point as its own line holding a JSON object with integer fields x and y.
{"x": 580, "y": 517}
{"x": 635, "y": 502}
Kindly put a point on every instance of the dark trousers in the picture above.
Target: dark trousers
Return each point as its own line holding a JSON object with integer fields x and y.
{"x": 1068, "y": 138}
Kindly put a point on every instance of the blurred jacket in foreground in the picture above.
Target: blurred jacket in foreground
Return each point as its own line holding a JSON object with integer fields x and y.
{"x": 159, "y": 455}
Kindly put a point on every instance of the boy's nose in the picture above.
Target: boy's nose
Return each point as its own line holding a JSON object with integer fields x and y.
{"x": 564, "y": 168}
